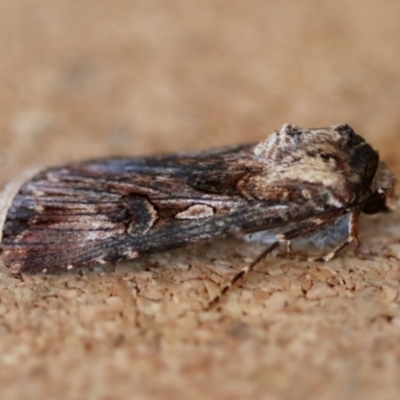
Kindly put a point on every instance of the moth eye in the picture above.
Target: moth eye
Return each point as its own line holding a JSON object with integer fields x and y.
{"x": 375, "y": 204}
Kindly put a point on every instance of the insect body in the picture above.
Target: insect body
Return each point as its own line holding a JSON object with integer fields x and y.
{"x": 297, "y": 182}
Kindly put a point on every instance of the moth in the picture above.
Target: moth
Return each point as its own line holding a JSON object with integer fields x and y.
{"x": 297, "y": 183}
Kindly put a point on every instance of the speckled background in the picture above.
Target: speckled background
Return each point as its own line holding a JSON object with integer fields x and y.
{"x": 95, "y": 78}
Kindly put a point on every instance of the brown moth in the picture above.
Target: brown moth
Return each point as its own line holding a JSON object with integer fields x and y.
{"x": 296, "y": 183}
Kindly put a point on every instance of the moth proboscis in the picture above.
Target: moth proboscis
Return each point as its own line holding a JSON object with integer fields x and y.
{"x": 311, "y": 183}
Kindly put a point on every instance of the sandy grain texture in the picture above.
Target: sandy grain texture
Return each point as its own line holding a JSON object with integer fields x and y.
{"x": 86, "y": 79}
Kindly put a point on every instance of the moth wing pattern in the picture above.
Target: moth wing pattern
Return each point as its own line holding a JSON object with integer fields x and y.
{"x": 104, "y": 211}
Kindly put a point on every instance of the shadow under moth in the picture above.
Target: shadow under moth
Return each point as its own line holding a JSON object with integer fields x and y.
{"x": 298, "y": 183}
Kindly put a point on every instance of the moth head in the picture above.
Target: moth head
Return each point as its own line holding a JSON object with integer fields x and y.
{"x": 383, "y": 197}
{"x": 335, "y": 159}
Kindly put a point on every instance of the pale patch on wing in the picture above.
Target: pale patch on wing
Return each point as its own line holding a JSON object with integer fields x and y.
{"x": 197, "y": 211}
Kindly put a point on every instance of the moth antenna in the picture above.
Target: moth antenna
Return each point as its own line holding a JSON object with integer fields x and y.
{"x": 244, "y": 271}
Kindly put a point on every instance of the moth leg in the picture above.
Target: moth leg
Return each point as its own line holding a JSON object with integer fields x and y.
{"x": 351, "y": 238}
{"x": 244, "y": 271}
{"x": 285, "y": 237}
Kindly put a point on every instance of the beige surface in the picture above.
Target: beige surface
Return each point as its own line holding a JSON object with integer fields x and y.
{"x": 84, "y": 79}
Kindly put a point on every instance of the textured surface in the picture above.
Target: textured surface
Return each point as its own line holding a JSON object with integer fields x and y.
{"x": 83, "y": 80}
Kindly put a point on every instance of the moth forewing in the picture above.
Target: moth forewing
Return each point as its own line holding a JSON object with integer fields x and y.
{"x": 297, "y": 182}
